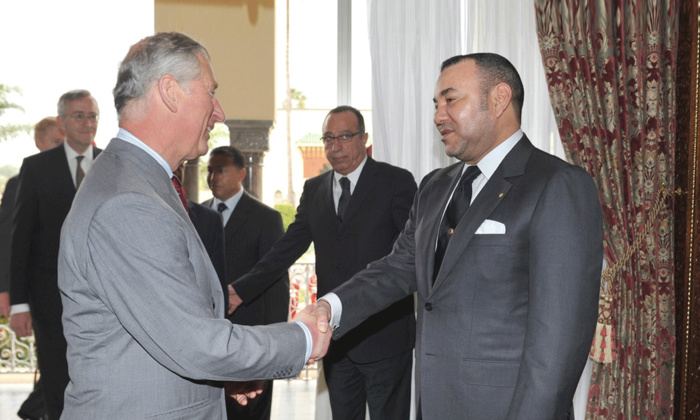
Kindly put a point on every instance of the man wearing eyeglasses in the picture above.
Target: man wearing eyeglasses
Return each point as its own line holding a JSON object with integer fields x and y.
{"x": 48, "y": 181}
{"x": 352, "y": 214}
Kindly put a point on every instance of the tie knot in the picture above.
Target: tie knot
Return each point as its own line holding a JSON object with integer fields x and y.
{"x": 470, "y": 174}
{"x": 80, "y": 158}
{"x": 221, "y": 207}
{"x": 344, "y": 183}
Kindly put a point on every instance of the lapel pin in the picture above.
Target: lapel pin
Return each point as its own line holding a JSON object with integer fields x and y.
{"x": 500, "y": 195}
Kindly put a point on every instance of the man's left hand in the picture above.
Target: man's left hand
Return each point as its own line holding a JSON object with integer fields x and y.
{"x": 234, "y": 300}
{"x": 244, "y": 391}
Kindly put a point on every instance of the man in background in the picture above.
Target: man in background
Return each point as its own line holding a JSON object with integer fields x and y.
{"x": 47, "y": 184}
{"x": 208, "y": 224}
{"x": 47, "y": 135}
{"x": 352, "y": 214}
{"x": 251, "y": 228}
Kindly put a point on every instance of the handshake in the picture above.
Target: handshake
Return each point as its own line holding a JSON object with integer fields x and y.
{"x": 316, "y": 317}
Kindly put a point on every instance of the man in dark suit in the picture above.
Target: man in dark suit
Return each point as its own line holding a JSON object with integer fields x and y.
{"x": 251, "y": 228}
{"x": 47, "y": 185}
{"x": 208, "y": 224}
{"x": 350, "y": 227}
{"x": 506, "y": 320}
{"x": 47, "y": 135}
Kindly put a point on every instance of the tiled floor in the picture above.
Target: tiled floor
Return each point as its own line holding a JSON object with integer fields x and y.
{"x": 291, "y": 399}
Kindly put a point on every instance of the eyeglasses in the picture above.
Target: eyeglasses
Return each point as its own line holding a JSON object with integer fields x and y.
{"x": 80, "y": 117}
{"x": 343, "y": 138}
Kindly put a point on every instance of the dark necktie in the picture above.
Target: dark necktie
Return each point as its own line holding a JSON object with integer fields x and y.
{"x": 79, "y": 173}
{"x": 344, "y": 197}
{"x": 459, "y": 204}
{"x": 180, "y": 191}
{"x": 222, "y": 207}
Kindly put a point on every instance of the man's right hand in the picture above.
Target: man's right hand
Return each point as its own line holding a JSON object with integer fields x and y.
{"x": 5, "y": 304}
{"x": 320, "y": 333}
{"x": 21, "y": 324}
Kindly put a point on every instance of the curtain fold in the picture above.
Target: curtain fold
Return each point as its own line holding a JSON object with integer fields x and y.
{"x": 409, "y": 39}
{"x": 508, "y": 28}
{"x": 610, "y": 67}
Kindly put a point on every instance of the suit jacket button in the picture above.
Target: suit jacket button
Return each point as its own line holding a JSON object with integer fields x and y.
{"x": 428, "y": 306}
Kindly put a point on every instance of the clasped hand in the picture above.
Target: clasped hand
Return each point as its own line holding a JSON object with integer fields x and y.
{"x": 316, "y": 318}
{"x": 244, "y": 391}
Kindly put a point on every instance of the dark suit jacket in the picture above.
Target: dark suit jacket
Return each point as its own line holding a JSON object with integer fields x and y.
{"x": 44, "y": 196}
{"x": 208, "y": 224}
{"x": 505, "y": 331}
{"x": 250, "y": 232}
{"x": 6, "y": 210}
{"x": 377, "y": 212}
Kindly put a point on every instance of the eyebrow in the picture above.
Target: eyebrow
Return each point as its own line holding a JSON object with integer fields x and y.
{"x": 444, "y": 92}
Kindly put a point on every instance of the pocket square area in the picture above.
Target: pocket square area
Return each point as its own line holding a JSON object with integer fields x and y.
{"x": 491, "y": 227}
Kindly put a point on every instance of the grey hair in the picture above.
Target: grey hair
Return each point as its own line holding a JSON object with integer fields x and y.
{"x": 153, "y": 57}
{"x": 69, "y": 96}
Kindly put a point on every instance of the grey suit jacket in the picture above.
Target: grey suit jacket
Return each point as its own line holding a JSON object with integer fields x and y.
{"x": 142, "y": 315}
{"x": 505, "y": 330}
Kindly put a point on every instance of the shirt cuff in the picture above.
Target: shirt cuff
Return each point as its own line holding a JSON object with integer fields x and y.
{"x": 19, "y": 308}
{"x": 336, "y": 309}
{"x": 309, "y": 340}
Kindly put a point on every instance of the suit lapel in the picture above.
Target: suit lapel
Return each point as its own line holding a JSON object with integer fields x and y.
{"x": 239, "y": 214}
{"x": 62, "y": 169}
{"x": 326, "y": 205}
{"x": 362, "y": 189}
{"x": 513, "y": 165}
{"x": 440, "y": 188}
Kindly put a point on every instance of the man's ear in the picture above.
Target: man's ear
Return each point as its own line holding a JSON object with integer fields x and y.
{"x": 169, "y": 91}
{"x": 501, "y": 96}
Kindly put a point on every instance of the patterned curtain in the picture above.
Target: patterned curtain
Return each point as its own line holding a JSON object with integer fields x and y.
{"x": 610, "y": 67}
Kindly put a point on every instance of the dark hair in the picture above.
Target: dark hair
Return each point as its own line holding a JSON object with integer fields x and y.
{"x": 347, "y": 108}
{"x": 494, "y": 69}
{"x": 70, "y": 96}
{"x": 232, "y": 153}
{"x": 153, "y": 57}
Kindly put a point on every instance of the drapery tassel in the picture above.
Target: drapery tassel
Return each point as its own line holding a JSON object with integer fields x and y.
{"x": 603, "y": 349}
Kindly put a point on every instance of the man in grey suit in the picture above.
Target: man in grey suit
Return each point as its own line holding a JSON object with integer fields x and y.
{"x": 143, "y": 313}
{"x": 506, "y": 320}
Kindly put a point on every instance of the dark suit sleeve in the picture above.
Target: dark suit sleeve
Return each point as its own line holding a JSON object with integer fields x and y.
{"x": 6, "y": 213}
{"x": 25, "y": 214}
{"x": 403, "y": 199}
{"x": 566, "y": 240}
{"x": 384, "y": 281}
{"x": 285, "y": 252}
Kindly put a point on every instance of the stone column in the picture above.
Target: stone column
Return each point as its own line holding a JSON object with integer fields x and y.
{"x": 191, "y": 181}
{"x": 252, "y": 138}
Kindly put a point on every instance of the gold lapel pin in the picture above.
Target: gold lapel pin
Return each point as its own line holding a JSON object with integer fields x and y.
{"x": 500, "y": 195}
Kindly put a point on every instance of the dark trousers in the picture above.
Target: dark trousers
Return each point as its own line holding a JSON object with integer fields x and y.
{"x": 51, "y": 355}
{"x": 259, "y": 408}
{"x": 34, "y": 407}
{"x": 384, "y": 386}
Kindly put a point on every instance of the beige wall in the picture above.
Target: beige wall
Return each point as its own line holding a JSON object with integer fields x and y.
{"x": 240, "y": 38}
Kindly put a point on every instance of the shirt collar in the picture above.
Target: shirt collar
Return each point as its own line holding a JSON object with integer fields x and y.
{"x": 353, "y": 176}
{"x": 132, "y": 139}
{"x": 231, "y": 202}
{"x": 489, "y": 163}
{"x": 72, "y": 154}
